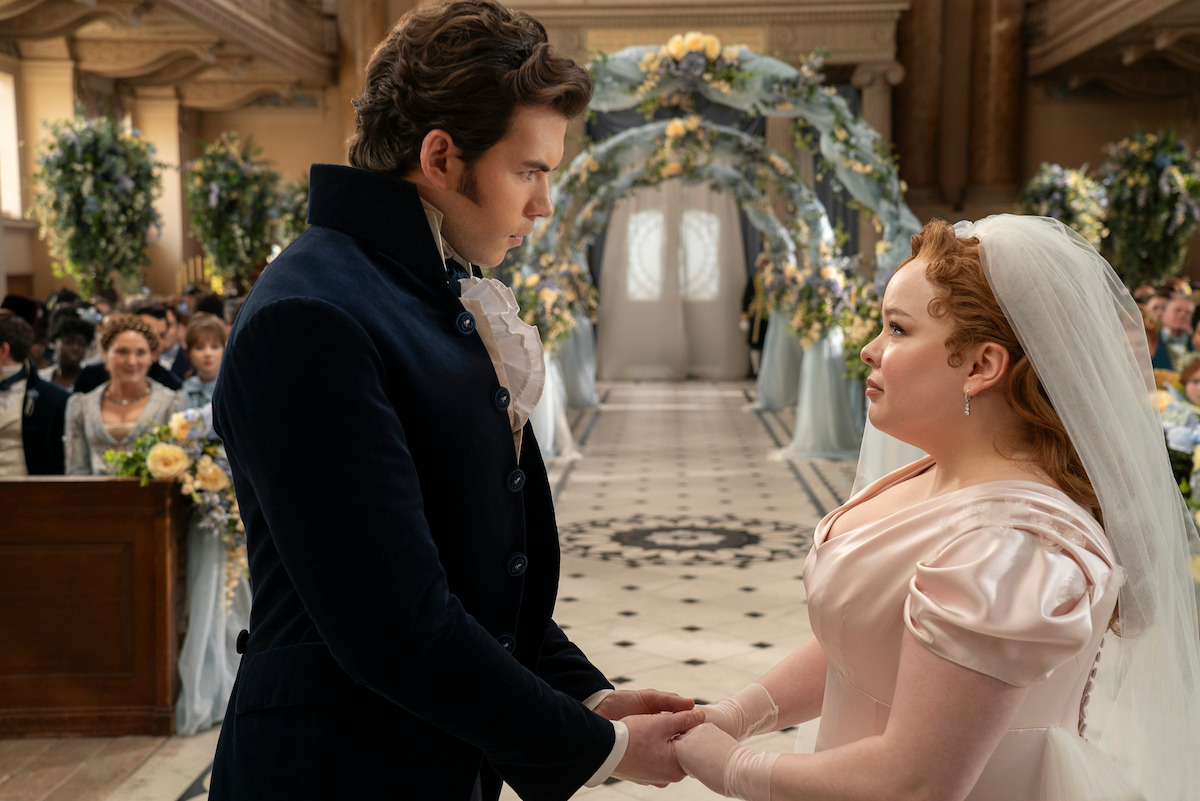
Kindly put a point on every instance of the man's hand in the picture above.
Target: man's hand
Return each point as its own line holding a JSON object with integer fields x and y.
{"x": 641, "y": 702}
{"x": 650, "y": 759}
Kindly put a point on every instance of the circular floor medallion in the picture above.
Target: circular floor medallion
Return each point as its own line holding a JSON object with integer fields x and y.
{"x": 685, "y": 540}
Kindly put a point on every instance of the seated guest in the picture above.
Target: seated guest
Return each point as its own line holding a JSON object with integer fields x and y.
{"x": 31, "y": 409}
{"x": 153, "y": 314}
{"x": 1189, "y": 379}
{"x": 205, "y": 346}
{"x": 72, "y": 332}
{"x": 1157, "y": 304}
{"x": 1175, "y": 339}
{"x": 114, "y": 414}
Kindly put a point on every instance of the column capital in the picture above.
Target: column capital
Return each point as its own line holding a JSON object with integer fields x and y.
{"x": 870, "y": 73}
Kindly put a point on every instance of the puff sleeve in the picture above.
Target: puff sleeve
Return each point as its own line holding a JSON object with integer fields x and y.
{"x": 1008, "y": 602}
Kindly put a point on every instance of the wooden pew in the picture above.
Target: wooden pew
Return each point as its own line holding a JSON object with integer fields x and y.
{"x": 91, "y": 601}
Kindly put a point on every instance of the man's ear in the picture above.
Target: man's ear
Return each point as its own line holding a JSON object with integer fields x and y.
{"x": 988, "y": 366}
{"x": 440, "y": 162}
{"x": 5, "y": 351}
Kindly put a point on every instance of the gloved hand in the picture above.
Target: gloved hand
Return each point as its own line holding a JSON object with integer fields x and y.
{"x": 723, "y": 766}
{"x": 752, "y": 711}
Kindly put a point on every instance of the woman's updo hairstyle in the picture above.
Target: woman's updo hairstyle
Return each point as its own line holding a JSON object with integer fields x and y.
{"x": 118, "y": 324}
{"x": 961, "y": 291}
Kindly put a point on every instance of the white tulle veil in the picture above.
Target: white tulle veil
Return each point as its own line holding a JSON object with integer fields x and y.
{"x": 1084, "y": 335}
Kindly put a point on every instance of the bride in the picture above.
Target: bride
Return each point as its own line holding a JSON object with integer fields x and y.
{"x": 966, "y": 608}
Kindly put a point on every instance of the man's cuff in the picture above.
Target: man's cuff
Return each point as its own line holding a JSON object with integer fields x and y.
{"x": 593, "y": 700}
{"x": 620, "y": 744}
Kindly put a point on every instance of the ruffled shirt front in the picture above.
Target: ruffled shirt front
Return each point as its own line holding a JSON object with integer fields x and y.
{"x": 514, "y": 346}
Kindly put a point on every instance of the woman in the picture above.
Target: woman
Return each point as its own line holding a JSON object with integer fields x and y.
{"x": 72, "y": 331}
{"x": 117, "y": 412}
{"x": 205, "y": 342}
{"x": 959, "y": 604}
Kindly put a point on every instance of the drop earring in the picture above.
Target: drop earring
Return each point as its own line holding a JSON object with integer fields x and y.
{"x": 967, "y": 404}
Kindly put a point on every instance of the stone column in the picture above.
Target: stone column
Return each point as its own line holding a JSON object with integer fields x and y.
{"x": 919, "y": 96}
{"x": 155, "y": 112}
{"x": 875, "y": 80}
{"x": 47, "y": 94}
{"x": 996, "y": 73}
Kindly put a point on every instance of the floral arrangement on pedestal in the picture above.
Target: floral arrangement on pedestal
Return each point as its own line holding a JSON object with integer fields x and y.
{"x": 1071, "y": 196}
{"x": 186, "y": 450}
{"x": 232, "y": 197}
{"x": 1153, "y": 191}
{"x": 812, "y": 300}
{"x": 292, "y": 214}
{"x": 100, "y": 180}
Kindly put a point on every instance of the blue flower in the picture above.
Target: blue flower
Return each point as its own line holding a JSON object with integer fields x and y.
{"x": 693, "y": 65}
{"x": 1162, "y": 161}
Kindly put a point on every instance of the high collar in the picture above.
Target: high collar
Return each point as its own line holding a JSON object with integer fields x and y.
{"x": 19, "y": 374}
{"x": 381, "y": 211}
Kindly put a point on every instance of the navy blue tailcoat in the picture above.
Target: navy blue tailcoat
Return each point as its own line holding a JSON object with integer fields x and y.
{"x": 404, "y": 564}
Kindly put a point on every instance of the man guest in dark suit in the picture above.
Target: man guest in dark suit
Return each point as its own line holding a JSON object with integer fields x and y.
{"x": 402, "y": 544}
{"x": 31, "y": 409}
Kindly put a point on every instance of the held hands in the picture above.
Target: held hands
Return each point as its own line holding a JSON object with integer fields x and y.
{"x": 723, "y": 766}
{"x": 650, "y": 758}
{"x": 641, "y": 702}
{"x": 752, "y": 711}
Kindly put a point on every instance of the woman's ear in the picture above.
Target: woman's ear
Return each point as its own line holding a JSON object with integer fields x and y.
{"x": 988, "y": 367}
{"x": 440, "y": 160}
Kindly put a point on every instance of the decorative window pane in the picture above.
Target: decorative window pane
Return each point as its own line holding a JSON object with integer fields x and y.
{"x": 644, "y": 275}
{"x": 699, "y": 243}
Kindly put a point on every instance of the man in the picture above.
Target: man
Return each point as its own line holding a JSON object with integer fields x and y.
{"x": 156, "y": 315}
{"x": 31, "y": 409}
{"x": 1175, "y": 339}
{"x": 402, "y": 545}
{"x": 173, "y": 358}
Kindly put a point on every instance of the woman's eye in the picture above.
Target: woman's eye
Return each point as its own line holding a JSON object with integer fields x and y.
{"x": 895, "y": 328}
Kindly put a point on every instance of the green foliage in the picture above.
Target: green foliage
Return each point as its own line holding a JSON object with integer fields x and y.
{"x": 100, "y": 180}
{"x": 1153, "y": 206}
{"x": 293, "y": 212}
{"x": 232, "y": 198}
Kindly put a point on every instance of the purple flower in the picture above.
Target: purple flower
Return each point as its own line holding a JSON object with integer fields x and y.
{"x": 693, "y": 65}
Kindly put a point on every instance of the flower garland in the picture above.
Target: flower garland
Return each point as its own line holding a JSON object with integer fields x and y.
{"x": 1153, "y": 191}
{"x": 232, "y": 198}
{"x": 549, "y": 298}
{"x": 185, "y": 449}
{"x": 1068, "y": 195}
{"x": 96, "y": 212}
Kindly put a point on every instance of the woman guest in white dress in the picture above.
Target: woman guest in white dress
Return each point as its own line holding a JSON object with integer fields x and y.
{"x": 959, "y": 604}
{"x": 117, "y": 412}
{"x": 205, "y": 343}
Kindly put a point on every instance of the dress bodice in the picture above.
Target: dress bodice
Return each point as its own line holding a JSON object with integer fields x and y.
{"x": 1009, "y": 578}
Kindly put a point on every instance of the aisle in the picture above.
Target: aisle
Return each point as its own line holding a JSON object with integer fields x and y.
{"x": 682, "y": 551}
{"x": 683, "y": 546}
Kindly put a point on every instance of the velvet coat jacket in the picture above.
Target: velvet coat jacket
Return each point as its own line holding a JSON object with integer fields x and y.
{"x": 404, "y": 564}
{"x": 42, "y": 415}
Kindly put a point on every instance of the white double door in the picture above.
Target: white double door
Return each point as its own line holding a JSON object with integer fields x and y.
{"x": 671, "y": 286}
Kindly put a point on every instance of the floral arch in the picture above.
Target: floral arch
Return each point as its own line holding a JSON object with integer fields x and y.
{"x": 672, "y": 77}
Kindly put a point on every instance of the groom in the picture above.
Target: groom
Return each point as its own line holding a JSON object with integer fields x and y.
{"x": 402, "y": 544}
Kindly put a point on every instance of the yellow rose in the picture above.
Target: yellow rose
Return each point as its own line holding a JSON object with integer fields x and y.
{"x": 1164, "y": 400}
{"x": 731, "y": 54}
{"x": 692, "y": 122}
{"x": 693, "y": 41}
{"x": 209, "y": 475}
{"x": 181, "y": 425}
{"x": 532, "y": 280}
{"x": 712, "y": 47}
{"x": 671, "y": 169}
{"x": 676, "y": 48}
{"x": 676, "y": 129}
{"x": 166, "y": 461}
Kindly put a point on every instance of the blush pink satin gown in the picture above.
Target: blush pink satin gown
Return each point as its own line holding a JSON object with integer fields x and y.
{"x": 1009, "y": 578}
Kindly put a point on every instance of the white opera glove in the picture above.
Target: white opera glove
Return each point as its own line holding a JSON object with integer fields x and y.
{"x": 752, "y": 711}
{"x": 723, "y": 766}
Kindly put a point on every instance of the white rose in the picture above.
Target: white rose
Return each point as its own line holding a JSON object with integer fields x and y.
{"x": 209, "y": 475}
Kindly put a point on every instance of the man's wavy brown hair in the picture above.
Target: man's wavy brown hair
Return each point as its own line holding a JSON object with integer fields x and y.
{"x": 462, "y": 67}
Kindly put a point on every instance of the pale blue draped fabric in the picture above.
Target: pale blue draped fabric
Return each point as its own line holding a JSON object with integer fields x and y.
{"x": 549, "y": 417}
{"x": 826, "y": 427}
{"x": 208, "y": 659}
{"x": 779, "y": 368}
{"x": 576, "y": 358}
